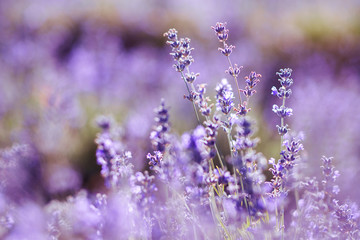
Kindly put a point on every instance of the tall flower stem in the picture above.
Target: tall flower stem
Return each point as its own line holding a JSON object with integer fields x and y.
{"x": 281, "y": 224}
{"x": 236, "y": 80}
{"x": 284, "y": 162}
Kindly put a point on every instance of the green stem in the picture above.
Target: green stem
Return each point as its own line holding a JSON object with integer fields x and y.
{"x": 220, "y": 159}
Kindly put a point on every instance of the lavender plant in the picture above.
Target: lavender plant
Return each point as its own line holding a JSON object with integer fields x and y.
{"x": 183, "y": 192}
{"x": 111, "y": 156}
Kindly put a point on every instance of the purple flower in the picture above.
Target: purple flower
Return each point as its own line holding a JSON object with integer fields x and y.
{"x": 219, "y": 27}
{"x": 330, "y": 176}
{"x": 171, "y": 34}
{"x": 160, "y": 133}
{"x": 202, "y": 101}
{"x": 242, "y": 109}
{"x": 222, "y": 177}
{"x": 210, "y": 137}
{"x": 282, "y": 170}
{"x": 285, "y": 79}
{"x": 224, "y": 97}
{"x": 221, "y": 31}
{"x": 234, "y": 71}
{"x": 191, "y": 77}
{"x": 114, "y": 161}
{"x": 194, "y": 144}
{"x": 227, "y": 50}
{"x": 104, "y": 122}
{"x": 347, "y": 223}
{"x": 143, "y": 189}
{"x": 181, "y": 50}
{"x": 283, "y": 93}
{"x": 252, "y": 80}
{"x": 282, "y": 130}
{"x": 282, "y": 111}
{"x": 154, "y": 159}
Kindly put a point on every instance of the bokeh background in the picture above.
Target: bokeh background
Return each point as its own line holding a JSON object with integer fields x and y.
{"x": 62, "y": 63}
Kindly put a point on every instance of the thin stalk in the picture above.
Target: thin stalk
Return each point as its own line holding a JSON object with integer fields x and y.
{"x": 220, "y": 159}
{"x": 282, "y": 223}
{"x": 296, "y": 193}
{"x": 216, "y": 214}
{"x": 212, "y": 165}
{"x": 236, "y": 80}
{"x": 187, "y": 87}
{"x": 243, "y": 190}
{"x": 232, "y": 158}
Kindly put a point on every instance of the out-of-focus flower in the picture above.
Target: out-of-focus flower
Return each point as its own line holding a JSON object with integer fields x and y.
{"x": 114, "y": 161}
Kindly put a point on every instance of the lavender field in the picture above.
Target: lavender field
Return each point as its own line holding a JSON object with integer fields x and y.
{"x": 179, "y": 119}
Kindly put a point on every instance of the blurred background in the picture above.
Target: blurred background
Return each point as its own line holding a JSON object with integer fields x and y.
{"x": 65, "y": 62}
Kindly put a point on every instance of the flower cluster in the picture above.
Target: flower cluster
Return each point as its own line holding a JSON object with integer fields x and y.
{"x": 320, "y": 214}
{"x": 202, "y": 101}
{"x": 330, "y": 176}
{"x": 283, "y": 93}
{"x": 114, "y": 161}
{"x": 243, "y": 135}
{"x": 154, "y": 159}
{"x": 282, "y": 170}
{"x": 209, "y": 182}
{"x": 222, "y": 34}
{"x": 143, "y": 189}
{"x": 159, "y": 135}
{"x": 181, "y": 52}
{"x": 211, "y": 127}
{"x": 234, "y": 71}
{"x": 251, "y": 81}
{"x": 224, "y": 97}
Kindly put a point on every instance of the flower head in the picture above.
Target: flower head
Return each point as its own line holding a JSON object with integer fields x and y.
{"x": 224, "y": 97}
{"x": 221, "y": 31}
{"x": 159, "y": 135}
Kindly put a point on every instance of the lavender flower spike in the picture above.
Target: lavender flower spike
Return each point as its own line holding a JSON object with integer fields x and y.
{"x": 224, "y": 97}
{"x": 181, "y": 50}
{"x": 159, "y": 135}
{"x": 283, "y": 93}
